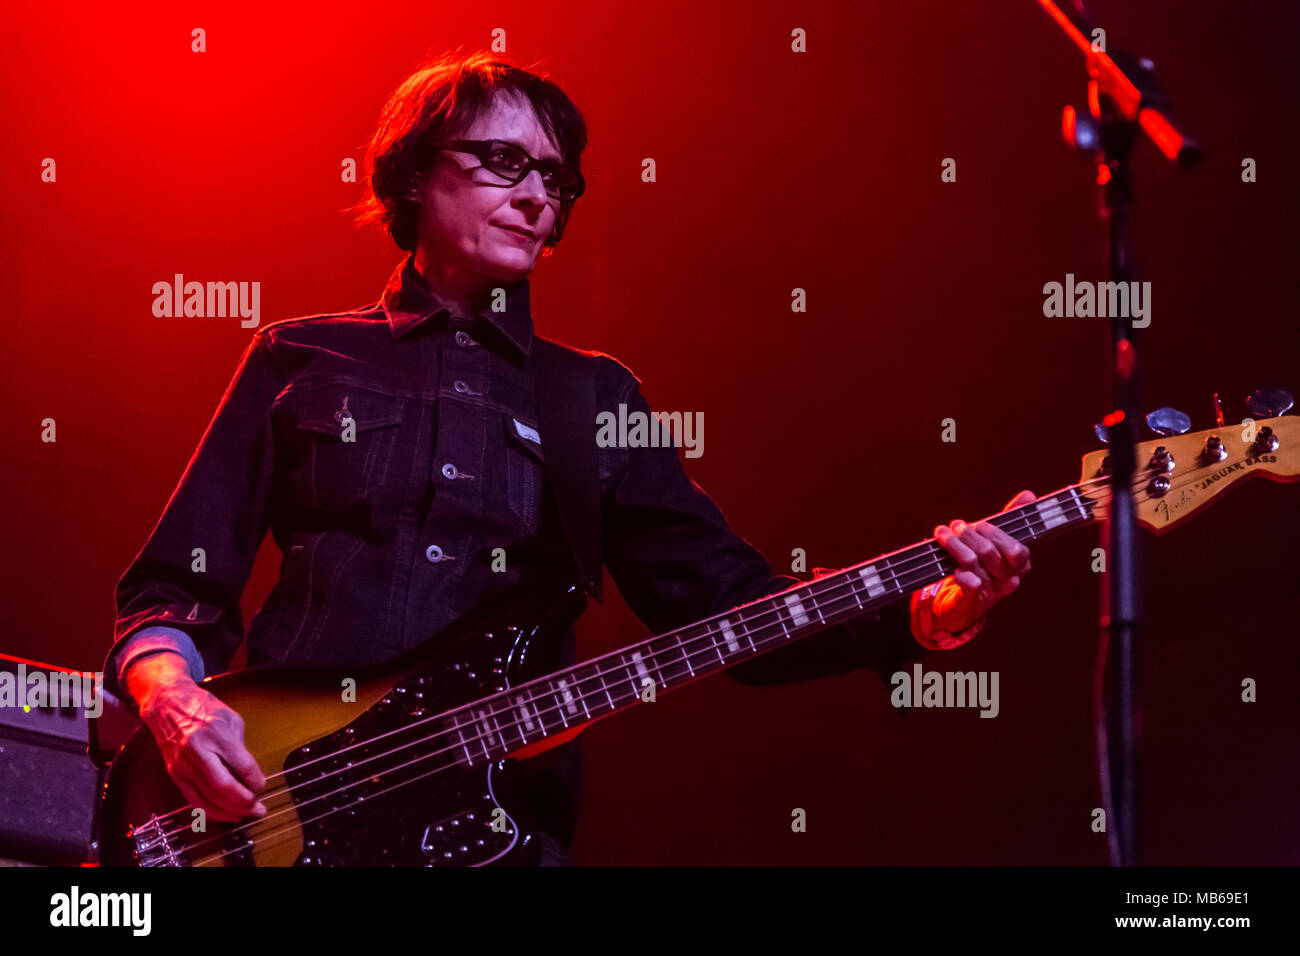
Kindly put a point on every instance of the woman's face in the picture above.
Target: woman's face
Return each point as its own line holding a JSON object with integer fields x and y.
{"x": 466, "y": 209}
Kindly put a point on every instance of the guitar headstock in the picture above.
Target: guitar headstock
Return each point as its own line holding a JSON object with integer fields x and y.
{"x": 1177, "y": 475}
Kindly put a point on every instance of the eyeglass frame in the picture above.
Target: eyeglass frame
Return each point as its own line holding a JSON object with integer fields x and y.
{"x": 480, "y": 148}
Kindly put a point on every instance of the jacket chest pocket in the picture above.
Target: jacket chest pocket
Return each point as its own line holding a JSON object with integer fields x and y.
{"x": 525, "y": 469}
{"x": 346, "y": 436}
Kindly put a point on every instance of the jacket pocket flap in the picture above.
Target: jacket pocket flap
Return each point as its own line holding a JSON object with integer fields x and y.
{"x": 327, "y": 409}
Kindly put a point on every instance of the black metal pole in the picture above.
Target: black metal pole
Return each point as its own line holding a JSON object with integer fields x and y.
{"x": 1125, "y": 99}
{"x": 1121, "y": 599}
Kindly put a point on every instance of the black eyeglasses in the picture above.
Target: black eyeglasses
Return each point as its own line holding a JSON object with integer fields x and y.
{"x": 512, "y": 164}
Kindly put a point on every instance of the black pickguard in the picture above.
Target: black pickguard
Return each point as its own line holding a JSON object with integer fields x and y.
{"x": 442, "y": 814}
{"x": 444, "y": 819}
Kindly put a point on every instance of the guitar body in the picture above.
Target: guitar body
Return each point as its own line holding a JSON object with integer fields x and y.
{"x": 357, "y": 788}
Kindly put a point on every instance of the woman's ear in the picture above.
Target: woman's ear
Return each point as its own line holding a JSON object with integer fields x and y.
{"x": 415, "y": 191}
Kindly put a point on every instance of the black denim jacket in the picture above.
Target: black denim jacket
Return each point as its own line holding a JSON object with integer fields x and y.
{"x": 388, "y": 538}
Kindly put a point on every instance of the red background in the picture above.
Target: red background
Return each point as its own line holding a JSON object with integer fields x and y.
{"x": 776, "y": 170}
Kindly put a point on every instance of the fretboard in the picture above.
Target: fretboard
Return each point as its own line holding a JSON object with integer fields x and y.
{"x": 521, "y": 716}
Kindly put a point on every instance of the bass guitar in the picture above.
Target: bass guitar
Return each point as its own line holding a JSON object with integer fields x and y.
{"x": 409, "y": 763}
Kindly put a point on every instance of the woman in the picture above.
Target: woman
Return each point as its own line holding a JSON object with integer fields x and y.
{"x": 395, "y": 454}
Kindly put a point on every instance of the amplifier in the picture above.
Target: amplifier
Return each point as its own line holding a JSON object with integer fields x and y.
{"x": 48, "y": 783}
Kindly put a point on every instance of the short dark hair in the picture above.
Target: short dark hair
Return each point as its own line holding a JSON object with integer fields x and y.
{"x": 439, "y": 101}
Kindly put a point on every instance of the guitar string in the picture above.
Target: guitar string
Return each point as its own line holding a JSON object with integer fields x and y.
{"x": 750, "y": 627}
{"x": 850, "y": 584}
{"x": 462, "y": 743}
{"x": 622, "y": 666}
{"x": 291, "y": 831}
{"x": 263, "y": 840}
{"x": 762, "y": 634}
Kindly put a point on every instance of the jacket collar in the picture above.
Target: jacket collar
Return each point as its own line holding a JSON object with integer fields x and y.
{"x": 408, "y": 301}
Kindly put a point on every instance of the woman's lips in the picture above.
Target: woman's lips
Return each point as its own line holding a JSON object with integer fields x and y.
{"x": 517, "y": 232}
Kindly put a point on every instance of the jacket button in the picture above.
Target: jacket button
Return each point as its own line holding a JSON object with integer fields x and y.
{"x": 460, "y": 386}
{"x": 463, "y": 340}
{"x": 449, "y": 470}
{"x": 433, "y": 553}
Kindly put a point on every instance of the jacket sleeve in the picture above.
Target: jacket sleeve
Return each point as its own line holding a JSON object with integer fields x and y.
{"x": 187, "y": 580}
{"x": 675, "y": 560}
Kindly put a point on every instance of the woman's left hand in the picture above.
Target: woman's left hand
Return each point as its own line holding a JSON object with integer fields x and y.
{"x": 991, "y": 566}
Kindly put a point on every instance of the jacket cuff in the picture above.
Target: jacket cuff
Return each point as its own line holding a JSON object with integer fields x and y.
{"x": 155, "y": 640}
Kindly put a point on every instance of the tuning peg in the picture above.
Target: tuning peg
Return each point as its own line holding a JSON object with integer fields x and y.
{"x": 1102, "y": 432}
{"x": 1168, "y": 421}
{"x": 1269, "y": 402}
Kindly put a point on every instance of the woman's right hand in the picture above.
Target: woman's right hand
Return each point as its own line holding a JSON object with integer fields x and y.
{"x": 201, "y": 739}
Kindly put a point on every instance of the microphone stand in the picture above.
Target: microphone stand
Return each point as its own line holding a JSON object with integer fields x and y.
{"x": 1123, "y": 99}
